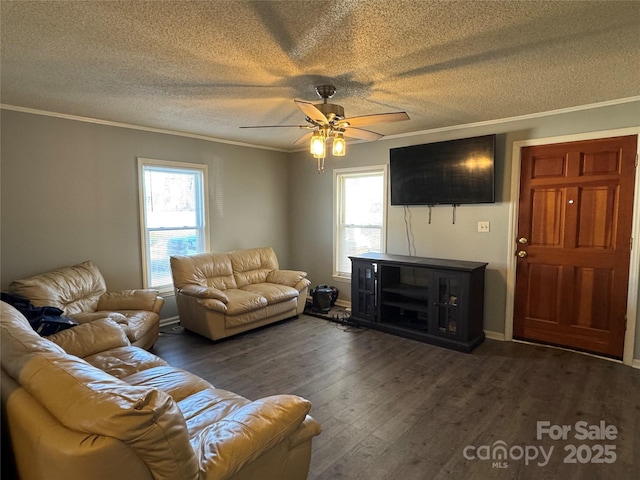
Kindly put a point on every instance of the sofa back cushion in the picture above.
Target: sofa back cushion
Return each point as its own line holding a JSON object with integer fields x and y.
{"x": 18, "y": 340}
{"x": 252, "y": 265}
{"x": 85, "y": 399}
{"x": 73, "y": 289}
{"x": 205, "y": 269}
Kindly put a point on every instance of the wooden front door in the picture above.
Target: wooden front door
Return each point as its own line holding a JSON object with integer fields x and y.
{"x": 574, "y": 244}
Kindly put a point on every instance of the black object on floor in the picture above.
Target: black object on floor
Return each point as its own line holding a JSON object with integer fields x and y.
{"x": 335, "y": 313}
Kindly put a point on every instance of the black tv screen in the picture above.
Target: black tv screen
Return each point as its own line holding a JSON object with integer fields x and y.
{"x": 454, "y": 172}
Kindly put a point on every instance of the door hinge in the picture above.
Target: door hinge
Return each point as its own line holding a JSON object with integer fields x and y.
{"x": 636, "y": 160}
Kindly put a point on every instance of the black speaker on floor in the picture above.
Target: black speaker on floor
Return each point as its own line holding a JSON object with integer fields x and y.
{"x": 324, "y": 297}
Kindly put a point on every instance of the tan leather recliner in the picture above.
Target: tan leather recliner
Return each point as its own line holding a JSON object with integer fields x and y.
{"x": 81, "y": 293}
{"x": 222, "y": 294}
{"x": 85, "y": 404}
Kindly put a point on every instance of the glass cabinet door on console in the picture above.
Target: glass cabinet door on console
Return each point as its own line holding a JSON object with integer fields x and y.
{"x": 363, "y": 290}
{"x": 448, "y": 304}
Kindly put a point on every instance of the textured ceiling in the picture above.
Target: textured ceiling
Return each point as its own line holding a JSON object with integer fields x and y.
{"x": 209, "y": 67}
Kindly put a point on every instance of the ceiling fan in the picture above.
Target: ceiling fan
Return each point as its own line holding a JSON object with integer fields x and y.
{"x": 326, "y": 120}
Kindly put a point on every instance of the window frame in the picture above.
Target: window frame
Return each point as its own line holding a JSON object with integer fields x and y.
{"x": 338, "y": 209}
{"x": 203, "y": 217}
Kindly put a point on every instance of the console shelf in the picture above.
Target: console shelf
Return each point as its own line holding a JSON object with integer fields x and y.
{"x": 433, "y": 300}
{"x": 409, "y": 291}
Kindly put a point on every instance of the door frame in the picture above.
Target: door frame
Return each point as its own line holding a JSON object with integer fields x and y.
{"x": 634, "y": 264}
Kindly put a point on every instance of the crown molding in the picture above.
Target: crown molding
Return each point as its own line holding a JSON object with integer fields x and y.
{"x": 263, "y": 147}
{"x": 518, "y": 118}
{"x": 110, "y": 123}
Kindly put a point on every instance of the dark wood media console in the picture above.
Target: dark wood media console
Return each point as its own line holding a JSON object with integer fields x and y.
{"x": 428, "y": 299}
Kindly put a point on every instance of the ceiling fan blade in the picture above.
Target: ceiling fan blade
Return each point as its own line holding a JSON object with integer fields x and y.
{"x": 375, "y": 119}
{"x": 305, "y": 138}
{"x": 361, "y": 134}
{"x": 276, "y": 126}
{"x": 310, "y": 110}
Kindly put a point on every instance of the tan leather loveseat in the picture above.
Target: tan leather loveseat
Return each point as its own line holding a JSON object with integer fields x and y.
{"x": 81, "y": 293}
{"x": 85, "y": 404}
{"x": 222, "y": 294}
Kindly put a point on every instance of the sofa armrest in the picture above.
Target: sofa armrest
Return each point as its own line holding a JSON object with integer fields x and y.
{"x": 248, "y": 432}
{"x": 309, "y": 429}
{"x": 302, "y": 284}
{"x": 213, "y": 304}
{"x": 204, "y": 292}
{"x": 91, "y": 338}
{"x": 140, "y": 299}
{"x": 286, "y": 277}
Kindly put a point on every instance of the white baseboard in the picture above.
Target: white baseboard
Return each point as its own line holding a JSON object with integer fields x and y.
{"x": 636, "y": 363}
{"x": 494, "y": 335}
{"x": 343, "y": 303}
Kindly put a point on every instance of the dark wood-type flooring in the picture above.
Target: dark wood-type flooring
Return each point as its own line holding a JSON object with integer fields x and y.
{"x": 393, "y": 408}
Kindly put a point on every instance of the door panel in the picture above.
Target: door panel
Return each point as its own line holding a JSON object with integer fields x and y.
{"x": 547, "y": 217}
{"x": 574, "y": 226}
{"x": 596, "y": 217}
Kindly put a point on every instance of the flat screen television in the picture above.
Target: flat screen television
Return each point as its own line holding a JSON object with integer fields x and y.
{"x": 453, "y": 172}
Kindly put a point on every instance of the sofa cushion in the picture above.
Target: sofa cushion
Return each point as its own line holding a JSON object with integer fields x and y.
{"x": 90, "y": 338}
{"x": 19, "y": 340}
{"x": 205, "y": 269}
{"x": 208, "y": 406}
{"x": 242, "y": 301}
{"x": 253, "y": 265}
{"x": 272, "y": 292}
{"x": 124, "y": 361}
{"x": 259, "y": 275}
{"x": 73, "y": 289}
{"x": 175, "y": 382}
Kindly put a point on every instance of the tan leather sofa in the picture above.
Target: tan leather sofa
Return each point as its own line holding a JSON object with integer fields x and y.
{"x": 81, "y": 293}
{"x": 222, "y": 294}
{"x": 85, "y": 404}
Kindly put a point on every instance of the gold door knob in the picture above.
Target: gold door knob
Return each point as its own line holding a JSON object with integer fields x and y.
{"x": 522, "y": 254}
{"x": 523, "y": 240}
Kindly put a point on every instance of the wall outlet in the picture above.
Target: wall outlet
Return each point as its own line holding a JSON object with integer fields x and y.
{"x": 483, "y": 227}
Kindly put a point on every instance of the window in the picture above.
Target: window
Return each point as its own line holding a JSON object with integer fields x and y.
{"x": 360, "y": 214}
{"x": 173, "y": 204}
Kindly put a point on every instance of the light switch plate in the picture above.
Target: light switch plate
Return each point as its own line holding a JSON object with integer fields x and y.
{"x": 483, "y": 227}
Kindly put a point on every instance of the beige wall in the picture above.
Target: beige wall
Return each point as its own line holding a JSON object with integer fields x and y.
{"x": 313, "y": 223}
{"x": 69, "y": 193}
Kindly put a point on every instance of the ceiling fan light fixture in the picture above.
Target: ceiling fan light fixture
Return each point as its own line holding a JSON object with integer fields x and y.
{"x": 339, "y": 145}
{"x": 317, "y": 146}
{"x": 327, "y": 120}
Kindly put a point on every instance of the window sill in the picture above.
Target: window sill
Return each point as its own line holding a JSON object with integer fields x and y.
{"x": 342, "y": 278}
{"x": 165, "y": 291}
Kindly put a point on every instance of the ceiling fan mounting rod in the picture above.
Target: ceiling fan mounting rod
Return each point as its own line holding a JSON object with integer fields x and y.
{"x": 326, "y": 91}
